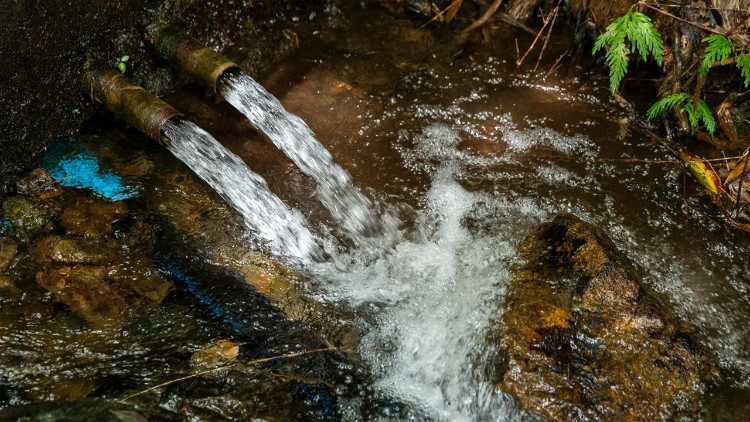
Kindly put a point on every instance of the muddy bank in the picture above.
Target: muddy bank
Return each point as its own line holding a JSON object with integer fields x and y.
{"x": 45, "y": 46}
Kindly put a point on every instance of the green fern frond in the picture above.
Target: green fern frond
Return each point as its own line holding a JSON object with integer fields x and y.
{"x": 617, "y": 60}
{"x": 683, "y": 103}
{"x": 719, "y": 49}
{"x": 642, "y": 37}
{"x": 743, "y": 63}
{"x": 670, "y": 102}
{"x": 707, "y": 116}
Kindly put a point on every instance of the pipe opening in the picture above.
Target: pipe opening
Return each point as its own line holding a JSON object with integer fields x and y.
{"x": 200, "y": 62}
{"x": 130, "y": 102}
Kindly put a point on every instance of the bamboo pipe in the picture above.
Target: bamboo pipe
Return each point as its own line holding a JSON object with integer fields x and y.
{"x": 200, "y": 62}
{"x": 130, "y": 102}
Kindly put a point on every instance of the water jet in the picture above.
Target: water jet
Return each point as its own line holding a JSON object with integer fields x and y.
{"x": 335, "y": 188}
{"x": 282, "y": 229}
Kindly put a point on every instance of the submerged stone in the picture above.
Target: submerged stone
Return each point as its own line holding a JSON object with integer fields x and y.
{"x": 74, "y": 250}
{"x": 101, "y": 298}
{"x": 28, "y": 217}
{"x": 105, "y": 280}
{"x": 586, "y": 340}
{"x": 40, "y": 184}
{"x": 8, "y": 251}
{"x": 94, "y": 217}
{"x": 222, "y": 353}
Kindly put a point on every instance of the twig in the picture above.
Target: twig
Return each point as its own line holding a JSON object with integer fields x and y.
{"x": 484, "y": 18}
{"x": 520, "y": 25}
{"x": 739, "y": 187}
{"x": 549, "y": 35}
{"x": 555, "y": 65}
{"x": 437, "y": 16}
{"x": 664, "y": 12}
{"x": 221, "y": 368}
{"x": 639, "y": 160}
{"x": 533, "y": 43}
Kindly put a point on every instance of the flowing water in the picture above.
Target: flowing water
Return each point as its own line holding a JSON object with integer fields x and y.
{"x": 348, "y": 206}
{"x": 282, "y": 228}
{"x": 470, "y": 154}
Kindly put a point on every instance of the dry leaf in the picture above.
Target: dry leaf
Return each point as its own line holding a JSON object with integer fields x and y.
{"x": 737, "y": 170}
{"x": 704, "y": 172}
{"x": 452, "y": 10}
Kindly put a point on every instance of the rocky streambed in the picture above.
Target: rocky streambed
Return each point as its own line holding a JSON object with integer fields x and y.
{"x": 139, "y": 276}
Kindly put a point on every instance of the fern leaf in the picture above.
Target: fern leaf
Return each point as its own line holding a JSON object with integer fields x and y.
{"x": 617, "y": 60}
{"x": 692, "y": 115}
{"x": 719, "y": 49}
{"x": 644, "y": 37}
{"x": 743, "y": 63}
{"x": 670, "y": 102}
{"x": 704, "y": 113}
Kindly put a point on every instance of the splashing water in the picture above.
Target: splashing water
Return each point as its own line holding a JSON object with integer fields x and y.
{"x": 424, "y": 348}
{"x": 264, "y": 213}
{"x": 348, "y": 206}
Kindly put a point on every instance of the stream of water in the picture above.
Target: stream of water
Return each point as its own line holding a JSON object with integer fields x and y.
{"x": 476, "y": 170}
{"x": 467, "y": 154}
{"x": 348, "y": 206}
{"x": 283, "y": 229}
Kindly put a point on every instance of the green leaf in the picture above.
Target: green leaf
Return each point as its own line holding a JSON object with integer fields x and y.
{"x": 670, "y": 102}
{"x": 719, "y": 49}
{"x": 704, "y": 113}
{"x": 617, "y": 60}
{"x": 743, "y": 63}
{"x": 696, "y": 113}
{"x": 644, "y": 37}
{"x": 632, "y": 31}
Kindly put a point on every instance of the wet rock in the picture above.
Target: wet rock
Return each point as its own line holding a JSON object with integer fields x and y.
{"x": 420, "y": 8}
{"x": 79, "y": 410}
{"x": 74, "y": 250}
{"x": 585, "y": 339}
{"x": 28, "y": 217}
{"x": 224, "y": 352}
{"x": 90, "y": 216}
{"x": 8, "y": 251}
{"x": 101, "y": 298}
{"x": 106, "y": 281}
{"x": 73, "y": 389}
{"x": 40, "y": 184}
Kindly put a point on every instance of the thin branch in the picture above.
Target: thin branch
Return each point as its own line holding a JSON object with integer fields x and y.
{"x": 703, "y": 27}
{"x": 549, "y": 35}
{"x": 533, "y": 43}
{"x": 225, "y": 367}
{"x": 484, "y": 18}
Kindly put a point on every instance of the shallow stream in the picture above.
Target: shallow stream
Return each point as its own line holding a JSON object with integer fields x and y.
{"x": 470, "y": 154}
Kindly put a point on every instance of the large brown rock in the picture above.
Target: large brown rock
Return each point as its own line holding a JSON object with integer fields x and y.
{"x": 104, "y": 280}
{"x": 92, "y": 217}
{"x": 585, "y": 339}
